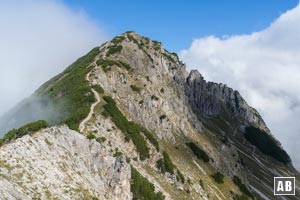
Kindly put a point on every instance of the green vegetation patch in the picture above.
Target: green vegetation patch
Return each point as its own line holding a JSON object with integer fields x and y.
{"x": 130, "y": 129}
{"x": 118, "y": 39}
{"x": 237, "y": 181}
{"x": 106, "y": 64}
{"x": 24, "y": 130}
{"x": 266, "y": 144}
{"x": 72, "y": 93}
{"x": 218, "y": 177}
{"x": 101, "y": 139}
{"x": 198, "y": 152}
{"x": 114, "y": 49}
{"x": 180, "y": 176}
{"x": 91, "y": 136}
{"x": 98, "y": 88}
{"x": 169, "y": 57}
{"x": 140, "y": 45}
{"x": 142, "y": 189}
{"x": 131, "y": 38}
{"x": 118, "y": 153}
{"x": 165, "y": 164}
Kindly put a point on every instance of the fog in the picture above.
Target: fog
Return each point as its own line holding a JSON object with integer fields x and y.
{"x": 38, "y": 40}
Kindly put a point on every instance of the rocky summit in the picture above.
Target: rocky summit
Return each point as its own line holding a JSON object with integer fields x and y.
{"x": 127, "y": 121}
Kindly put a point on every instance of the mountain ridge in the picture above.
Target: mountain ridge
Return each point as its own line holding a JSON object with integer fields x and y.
{"x": 165, "y": 105}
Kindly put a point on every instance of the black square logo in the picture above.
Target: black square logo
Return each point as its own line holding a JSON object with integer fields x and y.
{"x": 284, "y": 185}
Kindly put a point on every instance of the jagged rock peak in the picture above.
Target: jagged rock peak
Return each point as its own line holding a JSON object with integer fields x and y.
{"x": 217, "y": 99}
{"x": 195, "y": 75}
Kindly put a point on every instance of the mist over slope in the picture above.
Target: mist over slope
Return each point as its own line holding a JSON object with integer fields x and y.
{"x": 36, "y": 44}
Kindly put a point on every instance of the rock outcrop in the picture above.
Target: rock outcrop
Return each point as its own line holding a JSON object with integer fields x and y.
{"x": 58, "y": 163}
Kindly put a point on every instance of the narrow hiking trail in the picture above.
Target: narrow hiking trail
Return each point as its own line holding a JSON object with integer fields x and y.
{"x": 83, "y": 122}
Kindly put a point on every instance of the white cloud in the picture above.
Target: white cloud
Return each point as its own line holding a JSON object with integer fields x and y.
{"x": 38, "y": 40}
{"x": 264, "y": 67}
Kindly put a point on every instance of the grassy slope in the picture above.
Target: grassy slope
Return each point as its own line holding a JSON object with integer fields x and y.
{"x": 71, "y": 92}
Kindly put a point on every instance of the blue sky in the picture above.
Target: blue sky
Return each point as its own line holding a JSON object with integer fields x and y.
{"x": 177, "y": 23}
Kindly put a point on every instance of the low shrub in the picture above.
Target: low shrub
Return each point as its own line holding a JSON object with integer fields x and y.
{"x": 98, "y": 88}
{"x": 237, "y": 181}
{"x": 29, "y": 128}
{"x": 101, "y": 139}
{"x": 180, "y": 176}
{"x": 114, "y": 49}
{"x": 130, "y": 129}
{"x": 165, "y": 164}
{"x": 118, "y": 153}
{"x": 266, "y": 144}
{"x": 91, "y": 136}
{"x": 142, "y": 189}
{"x": 218, "y": 177}
{"x": 118, "y": 39}
{"x": 198, "y": 152}
{"x": 106, "y": 64}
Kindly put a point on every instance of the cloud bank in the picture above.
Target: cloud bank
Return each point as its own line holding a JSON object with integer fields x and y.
{"x": 38, "y": 40}
{"x": 264, "y": 67}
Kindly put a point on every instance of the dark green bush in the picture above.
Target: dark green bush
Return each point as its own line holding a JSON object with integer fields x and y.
{"x": 132, "y": 130}
{"x": 118, "y": 153}
{"x": 131, "y": 38}
{"x": 101, "y": 139}
{"x": 198, "y": 152}
{"x": 168, "y": 163}
{"x": 106, "y": 64}
{"x": 118, "y": 39}
{"x": 114, "y": 49}
{"x": 98, "y": 88}
{"x": 180, "y": 176}
{"x": 135, "y": 88}
{"x": 218, "y": 177}
{"x": 24, "y": 130}
{"x": 142, "y": 189}
{"x": 165, "y": 164}
{"x": 238, "y": 182}
{"x": 149, "y": 136}
{"x": 266, "y": 144}
{"x": 91, "y": 136}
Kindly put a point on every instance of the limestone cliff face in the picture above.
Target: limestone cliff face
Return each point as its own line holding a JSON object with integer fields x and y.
{"x": 212, "y": 99}
{"x": 58, "y": 163}
{"x": 151, "y": 88}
